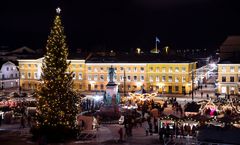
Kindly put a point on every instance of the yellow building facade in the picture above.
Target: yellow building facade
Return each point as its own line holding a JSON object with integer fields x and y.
{"x": 228, "y": 78}
{"x": 87, "y": 76}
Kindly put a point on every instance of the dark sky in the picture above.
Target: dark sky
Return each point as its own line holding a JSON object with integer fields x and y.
{"x": 121, "y": 24}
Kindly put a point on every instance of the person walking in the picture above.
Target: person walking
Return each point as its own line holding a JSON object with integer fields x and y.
{"x": 201, "y": 94}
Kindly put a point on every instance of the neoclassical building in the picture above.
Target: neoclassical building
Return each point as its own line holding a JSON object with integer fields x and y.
{"x": 9, "y": 75}
{"x": 160, "y": 73}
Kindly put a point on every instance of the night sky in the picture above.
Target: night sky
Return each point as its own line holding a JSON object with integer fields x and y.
{"x": 121, "y": 24}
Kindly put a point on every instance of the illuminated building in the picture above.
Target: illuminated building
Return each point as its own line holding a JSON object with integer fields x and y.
{"x": 156, "y": 72}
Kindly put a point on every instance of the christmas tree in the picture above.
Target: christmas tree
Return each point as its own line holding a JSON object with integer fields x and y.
{"x": 56, "y": 109}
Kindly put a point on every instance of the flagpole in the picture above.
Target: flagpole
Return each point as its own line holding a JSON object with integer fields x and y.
{"x": 156, "y": 43}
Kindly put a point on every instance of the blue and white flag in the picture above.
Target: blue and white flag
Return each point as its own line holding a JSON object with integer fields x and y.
{"x": 157, "y": 40}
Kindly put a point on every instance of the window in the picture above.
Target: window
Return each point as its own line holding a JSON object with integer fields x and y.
{"x": 102, "y": 86}
{"x": 176, "y": 79}
{"x": 7, "y": 68}
{"x": 238, "y": 79}
{"x": 89, "y": 69}
{"x": 135, "y": 69}
{"x": 11, "y": 68}
{"x": 80, "y": 65}
{"x": 129, "y": 69}
{"x": 231, "y": 79}
{"x": 142, "y": 78}
{"x": 223, "y": 69}
{"x": 36, "y": 65}
{"x": 95, "y": 78}
{"x": 176, "y": 88}
{"x": 16, "y": 75}
{"x": 163, "y": 69}
{"x": 163, "y": 78}
{"x": 74, "y": 75}
{"x": 183, "y": 79}
{"x": 169, "y": 78}
{"x": 183, "y": 69}
{"x": 121, "y": 69}
{"x": 101, "y": 77}
{"x": 95, "y": 69}
{"x": 157, "y": 78}
{"x": 128, "y": 78}
{"x": 22, "y": 75}
{"x": 73, "y": 66}
{"x": 80, "y": 77}
{"x": 157, "y": 69}
{"x": 29, "y": 65}
{"x": 232, "y": 69}
{"x": 29, "y": 75}
{"x": 101, "y": 69}
{"x": 135, "y": 78}
{"x": 151, "y": 79}
{"x": 89, "y": 77}
{"x": 129, "y": 87}
{"x": 176, "y": 69}
{"x": 95, "y": 87}
{"x": 142, "y": 69}
{"x": 121, "y": 78}
{"x": 151, "y": 69}
{"x": 35, "y": 75}
{"x": 223, "y": 79}
{"x": 170, "y": 69}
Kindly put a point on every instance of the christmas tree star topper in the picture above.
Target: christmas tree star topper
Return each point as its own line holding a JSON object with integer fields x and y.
{"x": 58, "y": 10}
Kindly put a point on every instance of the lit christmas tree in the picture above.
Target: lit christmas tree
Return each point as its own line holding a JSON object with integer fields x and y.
{"x": 56, "y": 109}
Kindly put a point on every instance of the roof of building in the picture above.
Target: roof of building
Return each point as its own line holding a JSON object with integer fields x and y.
{"x": 135, "y": 58}
{"x": 232, "y": 41}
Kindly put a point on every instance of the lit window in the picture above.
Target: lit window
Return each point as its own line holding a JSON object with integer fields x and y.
{"x": 176, "y": 79}
{"x": 157, "y": 69}
{"x": 223, "y": 69}
{"x": 129, "y": 69}
{"x": 142, "y": 69}
{"x": 142, "y": 78}
{"x": 80, "y": 76}
{"x": 232, "y": 69}
{"x": 29, "y": 65}
{"x": 121, "y": 78}
{"x": 183, "y": 69}
{"x": 151, "y": 79}
{"x": 239, "y": 69}
{"x": 22, "y": 75}
{"x": 95, "y": 86}
{"x": 89, "y": 77}
{"x": 157, "y": 78}
{"x": 177, "y": 69}
{"x": 163, "y": 69}
{"x": 170, "y": 69}
{"x": 95, "y": 77}
{"x": 102, "y": 86}
{"x": 183, "y": 79}
{"x": 74, "y": 75}
{"x": 169, "y": 78}
{"x": 95, "y": 69}
{"x": 101, "y": 69}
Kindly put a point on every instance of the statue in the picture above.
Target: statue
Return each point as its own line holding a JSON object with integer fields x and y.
{"x": 111, "y": 73}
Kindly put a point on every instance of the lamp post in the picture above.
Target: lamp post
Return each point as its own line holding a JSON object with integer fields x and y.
{"x": 19, "y": 77}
